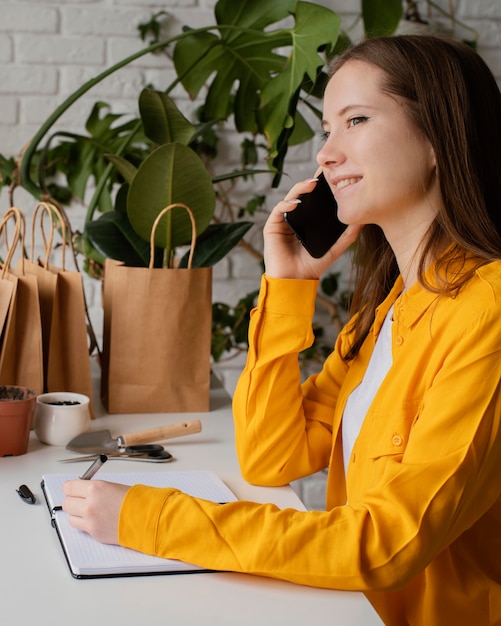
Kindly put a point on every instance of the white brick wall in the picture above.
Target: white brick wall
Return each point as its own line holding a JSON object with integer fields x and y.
{"x": 49, "y": 48}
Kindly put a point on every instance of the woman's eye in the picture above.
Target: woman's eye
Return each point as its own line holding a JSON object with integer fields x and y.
{"x": 324, "y": 135}
{"x": 354, "y": 121}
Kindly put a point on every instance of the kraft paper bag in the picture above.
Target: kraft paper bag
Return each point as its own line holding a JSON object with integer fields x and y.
{"x": 62, "y": 304}
{"x": 156, "y": 336}
{"x": 21, "y": 361}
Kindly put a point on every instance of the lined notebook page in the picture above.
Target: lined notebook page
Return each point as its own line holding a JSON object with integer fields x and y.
{"x": 89, "y": 558}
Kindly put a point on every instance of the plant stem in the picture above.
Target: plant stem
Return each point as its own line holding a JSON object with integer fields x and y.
{"x": 107, "y": 172}
{"x": 29, "y": 153}
{"x": 454, "y": 20}
{"x": 28, "y": 184}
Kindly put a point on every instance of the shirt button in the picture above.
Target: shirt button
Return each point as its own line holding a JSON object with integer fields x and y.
{"x": 396, "y": 440}
{"x": 399, "y": 340}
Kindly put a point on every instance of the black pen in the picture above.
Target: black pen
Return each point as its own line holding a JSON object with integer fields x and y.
{"x": 98, "y": 463}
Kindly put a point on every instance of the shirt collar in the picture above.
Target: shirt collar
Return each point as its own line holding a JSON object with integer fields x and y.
{"x": 413, "y": 302}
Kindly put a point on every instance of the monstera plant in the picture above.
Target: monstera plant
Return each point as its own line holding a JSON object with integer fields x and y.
{"x": 260, "y": 64}
{"x": 141, "y": 166}
{"x": 256, "y": 69}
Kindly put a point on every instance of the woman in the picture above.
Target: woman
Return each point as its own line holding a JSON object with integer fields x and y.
{"x": 406, "y": 411}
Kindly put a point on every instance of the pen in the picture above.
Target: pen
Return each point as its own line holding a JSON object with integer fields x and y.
{"x": 89, "y": 473}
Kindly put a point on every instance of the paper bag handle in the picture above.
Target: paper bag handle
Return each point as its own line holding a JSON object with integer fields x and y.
{"x": 50, "y": 209}
{"x": 193, "y": 231}
{"x": 19, "y": 230}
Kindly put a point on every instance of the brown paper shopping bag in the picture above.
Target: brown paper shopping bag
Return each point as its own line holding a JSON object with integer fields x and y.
{"x": 62, "y": 304}
{"x": 156, "y": 336}
{"x": 21, "y": 346}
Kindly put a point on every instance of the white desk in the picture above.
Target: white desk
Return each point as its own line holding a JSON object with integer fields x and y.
{"x": 36, "y": 585}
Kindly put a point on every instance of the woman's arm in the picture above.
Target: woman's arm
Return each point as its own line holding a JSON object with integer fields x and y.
{"x": 442, "y": 494}
{"x": 281, "y": 435}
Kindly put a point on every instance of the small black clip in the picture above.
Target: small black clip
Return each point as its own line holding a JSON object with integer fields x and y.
{"x": 53, "y": 514}
{"x": 26, "y": 494}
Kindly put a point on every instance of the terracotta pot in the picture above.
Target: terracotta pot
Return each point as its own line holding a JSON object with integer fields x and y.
{"x": 17, "y": 407}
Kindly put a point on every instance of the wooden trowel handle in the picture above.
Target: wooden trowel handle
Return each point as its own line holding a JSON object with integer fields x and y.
{"x": 160, "y": 433}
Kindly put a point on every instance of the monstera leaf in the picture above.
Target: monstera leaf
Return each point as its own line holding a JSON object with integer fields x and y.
{"x": 239, "y": 63}
{"x": 314, "y": 27}
{"x": 242, "y": 55}
{"x": 381, "y": 17}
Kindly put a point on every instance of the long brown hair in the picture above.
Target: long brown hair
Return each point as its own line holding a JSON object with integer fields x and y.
{"x": 452, "y": 98}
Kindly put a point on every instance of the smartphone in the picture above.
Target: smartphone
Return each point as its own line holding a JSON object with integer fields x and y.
{"x": 314, "y": 221}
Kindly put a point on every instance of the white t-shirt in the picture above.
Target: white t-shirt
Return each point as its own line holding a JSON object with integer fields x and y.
{"x": 361, "y": 397}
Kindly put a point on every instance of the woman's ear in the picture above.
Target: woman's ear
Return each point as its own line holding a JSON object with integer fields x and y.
{"x": 433, "y": 158}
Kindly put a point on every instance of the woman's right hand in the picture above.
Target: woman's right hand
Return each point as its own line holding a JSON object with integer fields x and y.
{"x": 284, "y": 255}
{"x": 94, "y": 507}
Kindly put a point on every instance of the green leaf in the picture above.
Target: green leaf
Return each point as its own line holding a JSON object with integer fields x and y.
{"x": 254, "y": 14}
{"x": 124, "y": 167}
{"x": 81, "y": 159}
{"x": 315, "y": 27}
{"x": 96, "y": 125}
{"x": 7, "y": 170}
{"x": 301, "y": 131}
{"x": 113, "y": 236}
{"x": 381, "y": 17}
{"x": 230, "y": 325}
{"x": 170, "y": 174}
{"x": 153, "y": 27}
{"x": 239, "y": 62}
{"x": 162, "y": 121}
{"x": 83, "y": 164}
{"x": 121, "y": 199}
{"x": 215, "y": 243}
{"x": 330, "y": 283}
{"x": 191, "y": 62}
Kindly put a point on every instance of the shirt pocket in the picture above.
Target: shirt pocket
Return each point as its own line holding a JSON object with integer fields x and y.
{"x": 383, "y": 439}
{"x": 388, "y": 432}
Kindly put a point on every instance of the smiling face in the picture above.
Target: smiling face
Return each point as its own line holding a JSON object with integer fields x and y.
{"x": 379, "y": 166}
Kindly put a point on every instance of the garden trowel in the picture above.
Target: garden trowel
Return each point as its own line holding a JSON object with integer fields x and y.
{"x": 101, "y": 441}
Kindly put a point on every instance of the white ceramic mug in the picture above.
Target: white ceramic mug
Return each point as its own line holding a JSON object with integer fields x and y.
{"x": 60, "y": 416}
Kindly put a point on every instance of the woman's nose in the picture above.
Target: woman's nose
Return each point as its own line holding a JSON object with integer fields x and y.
{"x": 330, "y": 153}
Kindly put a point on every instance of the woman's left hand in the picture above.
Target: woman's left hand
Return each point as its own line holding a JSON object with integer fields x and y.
{"x": 284, "y": 256}
{"x": 94, "y": 507}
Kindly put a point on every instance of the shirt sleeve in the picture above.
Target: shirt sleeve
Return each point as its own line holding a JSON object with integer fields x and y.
{"x": 283, "y": 430}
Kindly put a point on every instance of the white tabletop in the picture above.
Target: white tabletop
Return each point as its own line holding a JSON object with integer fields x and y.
{"x": 37, "y": 587}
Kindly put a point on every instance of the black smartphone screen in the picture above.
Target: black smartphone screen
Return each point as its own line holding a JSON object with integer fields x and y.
{"x": 314, "y": 221}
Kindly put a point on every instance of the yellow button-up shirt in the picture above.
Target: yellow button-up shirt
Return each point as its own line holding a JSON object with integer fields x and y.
{"x": 416, "y": 524}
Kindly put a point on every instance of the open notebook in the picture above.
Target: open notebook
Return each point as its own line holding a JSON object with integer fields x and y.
{"x": 88, "y": 558}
